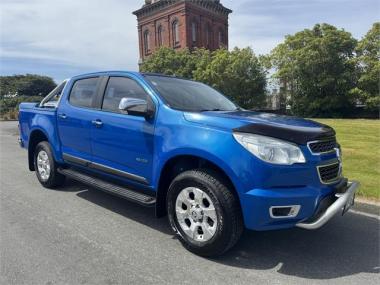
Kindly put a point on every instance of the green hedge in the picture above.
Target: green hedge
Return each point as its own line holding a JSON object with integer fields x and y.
{"x": 9, "y": 106}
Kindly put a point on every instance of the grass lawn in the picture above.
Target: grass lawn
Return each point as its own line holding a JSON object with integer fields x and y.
{"x": 360, "y": 141}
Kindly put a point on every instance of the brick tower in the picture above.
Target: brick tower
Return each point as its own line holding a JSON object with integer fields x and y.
{"x": 182, "y": 24}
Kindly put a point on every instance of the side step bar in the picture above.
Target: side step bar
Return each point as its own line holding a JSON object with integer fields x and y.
{"x": 108, "y": 187}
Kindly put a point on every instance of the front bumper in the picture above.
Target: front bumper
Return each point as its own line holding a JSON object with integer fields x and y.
{"x": 342, "y": 204}
{"x": 314, "y": 206}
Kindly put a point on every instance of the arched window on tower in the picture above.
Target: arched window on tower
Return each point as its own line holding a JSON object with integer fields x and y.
{"x": 194, "y": 32}
{"x": 146, "y": 42}
{"x": 175, "y": 33}
{"x": 221, "y": 38}
{"x": 208, "y": 36}
{"x": 159, "y": 36}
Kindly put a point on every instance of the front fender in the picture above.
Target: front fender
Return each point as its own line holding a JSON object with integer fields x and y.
{"x": 175, "y": 136}
{"x": 194, "y": 152}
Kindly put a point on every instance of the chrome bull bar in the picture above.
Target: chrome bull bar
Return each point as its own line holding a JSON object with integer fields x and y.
{"x": 342, "y": 204}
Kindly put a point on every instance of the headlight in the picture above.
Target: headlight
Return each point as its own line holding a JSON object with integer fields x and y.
{"x": 271, "y": 150}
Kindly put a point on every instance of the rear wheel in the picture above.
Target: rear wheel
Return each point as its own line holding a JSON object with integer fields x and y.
{"x": 46, "y": 167}
{"x": 204, "y": 213}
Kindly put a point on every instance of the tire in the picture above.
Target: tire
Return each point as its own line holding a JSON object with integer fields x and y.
{"x": 207, "y": 224}
{"x": 46, "y": 167}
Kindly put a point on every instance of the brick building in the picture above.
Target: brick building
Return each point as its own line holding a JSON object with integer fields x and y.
{"x": 180, "y": 24}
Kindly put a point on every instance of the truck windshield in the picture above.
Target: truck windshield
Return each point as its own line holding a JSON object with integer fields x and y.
{"x": 187, "y": 95}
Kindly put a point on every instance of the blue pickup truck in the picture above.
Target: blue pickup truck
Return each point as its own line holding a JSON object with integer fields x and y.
{"x": 182, "y": 147}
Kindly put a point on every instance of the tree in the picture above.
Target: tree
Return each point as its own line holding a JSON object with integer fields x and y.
{"x": 22, "y": 88}
{"x": 9, "y": 106}
{"x": 368, "y": 59}
{"x": 317, "y": 70}
{"x": 238, "y": 74}
{"x": 26, "y": 85}
{"x": 170, "y": 62}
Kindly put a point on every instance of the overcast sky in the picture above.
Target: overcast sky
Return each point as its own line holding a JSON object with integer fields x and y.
{"x": 62, "y": 38}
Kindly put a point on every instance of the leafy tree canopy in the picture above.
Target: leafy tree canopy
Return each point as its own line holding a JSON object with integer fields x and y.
{"x": 317, "y": 68}
{"x": 238, "y": 74}
{"x": 368, "y": 60}
{"x": 26, "y": 85}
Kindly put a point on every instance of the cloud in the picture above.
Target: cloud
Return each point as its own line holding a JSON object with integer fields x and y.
{"x": 89, "y": 33}
{"x": 66, "y": 37}
{"x": 263, "y": 24}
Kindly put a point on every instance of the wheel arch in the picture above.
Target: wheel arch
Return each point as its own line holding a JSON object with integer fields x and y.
{"x": 36, "y": 136}
{"x": 180, "y": 163}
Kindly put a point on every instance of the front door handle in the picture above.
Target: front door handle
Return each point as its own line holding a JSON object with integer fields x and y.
{"x": 97, "y": 123}
{"x": 62, "y": 116}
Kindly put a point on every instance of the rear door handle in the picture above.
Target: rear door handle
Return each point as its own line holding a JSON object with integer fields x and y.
{"x": 62, "y": 116}
{"x": 97, "y": 123}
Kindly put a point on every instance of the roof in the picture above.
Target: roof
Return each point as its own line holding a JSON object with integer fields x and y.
{"x": 213, "y": 5}
{"x": 113, "y": 72}
{"x": 105, "y": 73}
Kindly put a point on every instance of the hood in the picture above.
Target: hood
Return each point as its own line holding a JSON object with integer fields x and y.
{"x": 287, "y": 128}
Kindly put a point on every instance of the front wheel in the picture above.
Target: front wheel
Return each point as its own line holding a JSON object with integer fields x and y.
{"x": 46, "y": 167}
{"x": 204, "y": 213}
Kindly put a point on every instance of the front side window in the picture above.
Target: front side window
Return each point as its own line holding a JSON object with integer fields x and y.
{"x": 187, "y": 95}
{"x": 84, "y": 92}
{"x": 119, "y": 88}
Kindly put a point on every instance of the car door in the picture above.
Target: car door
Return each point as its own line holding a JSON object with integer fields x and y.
{"x": 74, "y": 120}
{"x": 122, "y": 144}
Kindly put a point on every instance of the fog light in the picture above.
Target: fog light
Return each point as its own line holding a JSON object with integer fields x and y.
{"x": 277, "y": 212}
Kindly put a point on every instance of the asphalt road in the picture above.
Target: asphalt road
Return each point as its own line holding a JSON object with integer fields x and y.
{"x": 76, "y": 235}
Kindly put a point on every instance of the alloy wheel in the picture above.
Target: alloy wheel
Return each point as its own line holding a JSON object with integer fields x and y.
{"x": 196, "y": 214}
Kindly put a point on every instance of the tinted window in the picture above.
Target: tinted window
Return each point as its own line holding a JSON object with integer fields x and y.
{"x": 187, "y": 95}
{"x": 84, "y": 92}
{"x": 118, "y": 88}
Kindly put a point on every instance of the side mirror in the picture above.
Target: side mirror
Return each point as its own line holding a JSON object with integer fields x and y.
{"x": 136, "y": 107}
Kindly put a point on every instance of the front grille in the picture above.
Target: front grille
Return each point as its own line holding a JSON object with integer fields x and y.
{"x": 329, "y": 173}
{"x": 323, "y": 145}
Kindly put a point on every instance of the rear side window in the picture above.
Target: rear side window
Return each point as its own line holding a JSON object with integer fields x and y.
{"x": 119, "y": 88}
{"x": 83, "y": 92}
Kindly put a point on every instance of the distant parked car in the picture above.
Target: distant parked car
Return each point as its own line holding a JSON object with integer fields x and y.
{"x": 187, "y": 150}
